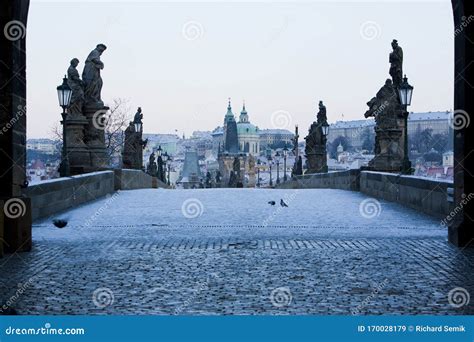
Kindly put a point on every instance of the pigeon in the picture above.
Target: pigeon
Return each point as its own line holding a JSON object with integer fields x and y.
{"x": 272, "y": 202}
{"x": 60, "y": 223}
{"x": 283, "y": 204}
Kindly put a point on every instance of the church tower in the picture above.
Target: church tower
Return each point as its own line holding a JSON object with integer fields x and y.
{"x": 230, "y": 140}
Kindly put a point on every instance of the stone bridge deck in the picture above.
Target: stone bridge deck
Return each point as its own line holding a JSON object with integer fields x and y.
{"x": 230, "y": 252}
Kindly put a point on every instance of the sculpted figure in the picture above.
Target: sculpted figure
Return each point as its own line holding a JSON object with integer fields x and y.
{"x": 91, "y": 76}
{"x": 396, "y": 64}
{"x": 138, "y": 116}
{"x": 77, "y": 87}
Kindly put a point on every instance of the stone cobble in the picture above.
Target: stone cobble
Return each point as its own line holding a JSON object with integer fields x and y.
{"x": 230, "y": 252}
{"x": 232, "y": 276}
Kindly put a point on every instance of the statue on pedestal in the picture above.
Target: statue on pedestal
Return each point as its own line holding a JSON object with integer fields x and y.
{"x": 152, "y": 165}
{"x": 396, "y": 64}
{"x": 389, "y": 116}
{"x": 315, "y": 149}
{"x": 91, "y": 76}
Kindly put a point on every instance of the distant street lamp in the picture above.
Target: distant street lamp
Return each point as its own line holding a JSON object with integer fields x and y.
{"x": 64, "y": 97}
{"x": 285, "y": 155}
{"x": 405, "y": 92}
{"x": 258, "y": 172}
{"x": 270, "y": 162}
{"x": 159, "y": 153}
{"x": 167, "y": 159}
{"x": 277, "y": 158}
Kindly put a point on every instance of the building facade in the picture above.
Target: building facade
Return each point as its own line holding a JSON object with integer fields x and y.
{"x": 353, "y": 131}
{"x": 248, "y": 137}
{"x": 275, "y": 138}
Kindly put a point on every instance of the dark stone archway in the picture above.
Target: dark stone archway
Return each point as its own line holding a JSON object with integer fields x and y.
{"x": 461, "y": 231}
{"x": 13, "y": 117}
{"x": 15, "y": 211}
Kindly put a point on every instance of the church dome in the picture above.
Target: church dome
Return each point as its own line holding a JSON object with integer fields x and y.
{"x": 244, "y": 127}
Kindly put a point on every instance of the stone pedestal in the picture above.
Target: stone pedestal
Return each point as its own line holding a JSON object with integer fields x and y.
{"x": 78, "y": 154}
{"x": 389, "y": 149}
{"x": 317, "y": 160}
{"x": 95, "y": 137}
{"x": 132, "y": 157}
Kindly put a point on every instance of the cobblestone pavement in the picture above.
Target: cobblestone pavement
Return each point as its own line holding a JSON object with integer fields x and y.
{"x": 113, "y": 267}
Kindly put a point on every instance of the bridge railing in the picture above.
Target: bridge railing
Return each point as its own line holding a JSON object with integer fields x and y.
{"x": 431, "y": 196}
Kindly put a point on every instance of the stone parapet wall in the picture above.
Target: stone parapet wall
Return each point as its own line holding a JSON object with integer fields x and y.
{"x": 344, "y": 180}
{"x": 57, "y": 195}
{"x": 429, "y": 196}
{"x": 426, "y": 195}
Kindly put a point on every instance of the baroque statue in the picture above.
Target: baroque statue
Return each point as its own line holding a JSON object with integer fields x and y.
{"x": 315, "y": 149}
{"x": 396, "y": 64}
{"x": 91, "y": 77}
{"x": 77, "y": 87}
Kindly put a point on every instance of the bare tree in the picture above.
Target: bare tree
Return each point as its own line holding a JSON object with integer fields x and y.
{"x": 117, "y": 121}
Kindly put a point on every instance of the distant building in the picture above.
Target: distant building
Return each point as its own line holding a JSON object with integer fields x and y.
{"x": 275, "y": 138}
{"x": 46, "y": 146}
{"x": 230, "y": 142}
{"x": 248, "y": 137}
{"x": 448, "y": 159}
{"x": 353, "y": 131}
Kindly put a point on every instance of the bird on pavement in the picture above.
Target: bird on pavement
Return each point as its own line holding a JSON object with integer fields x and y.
{"x": 272, "y": 202}
{"x": 283, "y": 204}
{"x": 60, "y": 223}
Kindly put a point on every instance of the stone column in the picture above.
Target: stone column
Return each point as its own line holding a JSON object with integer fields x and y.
{"x": 78, "y": 154}
{"x": 16, "y": 208}
{"x": 95, "y": 137}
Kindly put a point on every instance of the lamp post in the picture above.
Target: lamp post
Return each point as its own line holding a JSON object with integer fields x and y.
{"x": 138, "y": 125}
{"x": 64, "y": 97}
{"x": 259, "y": 163}
{"x": 405, "y": 92}
{"x": 159, "y": 153}
{"x": 277, "y": 159}
{"x": 168, "y": 162}
{"x": 285, "y": 155}
{"x": 270, "y": 162}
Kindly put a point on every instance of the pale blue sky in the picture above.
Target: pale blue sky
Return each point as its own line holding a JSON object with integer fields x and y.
{"x": 279, "y": 57}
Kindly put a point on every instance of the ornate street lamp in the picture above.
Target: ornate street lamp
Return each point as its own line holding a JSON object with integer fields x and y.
{"x": 277, "y": 158}
{"x": 159, "y": 153}
{"x": 167, "y": 160}
{"x": 270, "y": 162}
{"x": 325, "y": 128}
{"x": 64, "y": 97}
{"x": 138, "y": 126}
{"x": 285, "y": 155}
{"x": 405, "y": 92}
